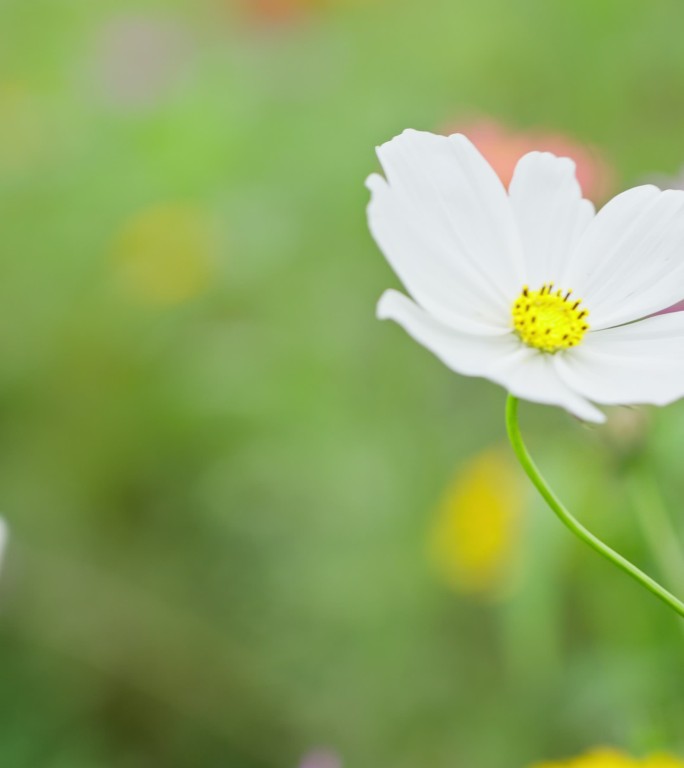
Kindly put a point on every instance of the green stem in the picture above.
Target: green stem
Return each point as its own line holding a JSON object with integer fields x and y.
{"x": 570, "y": 522}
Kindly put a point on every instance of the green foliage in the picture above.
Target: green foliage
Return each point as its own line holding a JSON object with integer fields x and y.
{"x": 219, "y": 505}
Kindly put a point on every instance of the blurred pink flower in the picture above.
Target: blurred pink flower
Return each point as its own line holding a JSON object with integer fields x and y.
{"x": 140, "y": 58}
{"x": 503, "y": 147}
{"x": 321, "y": 758}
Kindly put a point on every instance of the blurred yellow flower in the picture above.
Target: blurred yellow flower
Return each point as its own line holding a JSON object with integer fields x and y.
{"x": 662, "y": 761}
{"x": 474, "y": 541}
{"x": 609, "y": 758}
{"x": 165, "y": 254}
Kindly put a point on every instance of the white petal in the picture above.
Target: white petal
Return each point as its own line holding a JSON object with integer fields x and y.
{"x": 532, "y": 375}
{"x": 444, "y": 222}
{"x": 422, "y": 259}
{"x": 525, "y": 372}
{"x": 638, "y": 363}
{"x": 630, "y": 261}
{"x": 464, "y": 353}
{"x": 551, "y": 214}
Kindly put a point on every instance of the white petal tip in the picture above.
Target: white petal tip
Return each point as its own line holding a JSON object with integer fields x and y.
{"x": 585, "y": 412}
{"x": 558, "y": 165}
{"x": 375, "y": 182}
{"x": 461, "y": 138}
{"x": 383, "y": 310}
{"x": 407, "y": 133}
{"x": 595, "y": 418}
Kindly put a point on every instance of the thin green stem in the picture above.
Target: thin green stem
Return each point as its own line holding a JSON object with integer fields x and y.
{"x": 570, "y": 522}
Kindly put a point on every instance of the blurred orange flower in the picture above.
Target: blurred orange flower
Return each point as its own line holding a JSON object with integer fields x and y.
{"x": 503, "y": 147}
{"x": 474, "y": 540}
{"x": 278, "y": 10}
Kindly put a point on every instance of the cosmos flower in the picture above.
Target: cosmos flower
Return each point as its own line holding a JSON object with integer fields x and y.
{"x": 531, "y": 288}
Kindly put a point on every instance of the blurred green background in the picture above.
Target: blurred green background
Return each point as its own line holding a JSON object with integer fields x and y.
{"x": 230, "y": 490}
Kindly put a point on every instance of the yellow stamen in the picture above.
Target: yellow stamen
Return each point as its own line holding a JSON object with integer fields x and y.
{"x": 549, "y": 321}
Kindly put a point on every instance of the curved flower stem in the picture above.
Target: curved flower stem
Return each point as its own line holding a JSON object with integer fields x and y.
{"x": 570, "y": 522}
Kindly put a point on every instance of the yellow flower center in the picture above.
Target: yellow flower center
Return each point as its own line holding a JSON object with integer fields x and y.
{"x": 549, "y": 319}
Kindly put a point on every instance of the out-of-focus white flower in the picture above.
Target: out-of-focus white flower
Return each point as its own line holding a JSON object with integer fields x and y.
{"x": 4, "y": 533}
{"x": 531, "y": 289}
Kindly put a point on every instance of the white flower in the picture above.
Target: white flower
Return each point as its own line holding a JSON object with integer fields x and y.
{"x": 3, "y": 540}
{"x": 531, "y": 288}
